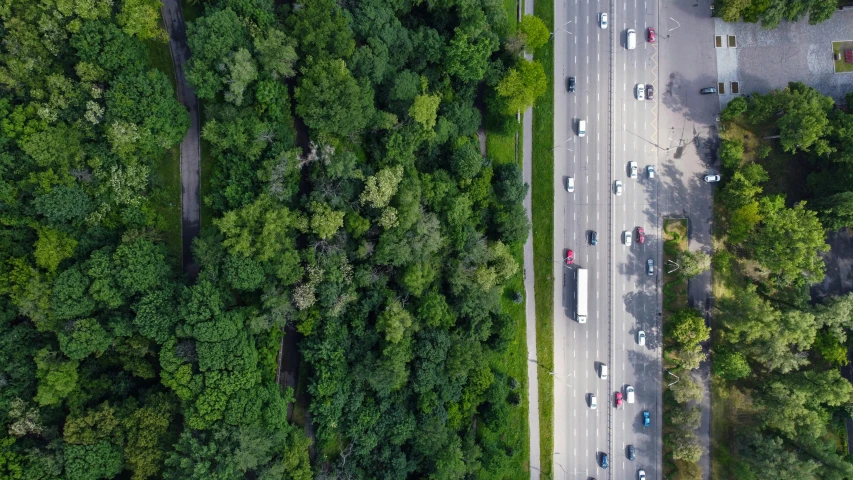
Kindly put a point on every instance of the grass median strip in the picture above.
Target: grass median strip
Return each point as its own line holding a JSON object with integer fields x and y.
{"x": 542, "y": 195}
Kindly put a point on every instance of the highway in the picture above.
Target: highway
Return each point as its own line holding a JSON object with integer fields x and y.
{"x": 622, "y": 297}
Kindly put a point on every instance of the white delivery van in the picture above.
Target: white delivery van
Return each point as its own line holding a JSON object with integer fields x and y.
{"x": 602, "y": 371}
{"x": 581, "y": 128}
{"x": 632, "y": 39}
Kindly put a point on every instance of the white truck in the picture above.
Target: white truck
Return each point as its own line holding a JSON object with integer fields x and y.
{"x": 582, "y": 276}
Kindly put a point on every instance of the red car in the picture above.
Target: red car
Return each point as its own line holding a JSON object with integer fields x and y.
{"x": 641, "y": 235}
{"x": 570, "y": 257}
{"x": 618, "y": 399}
{"x": 651, "y": 35}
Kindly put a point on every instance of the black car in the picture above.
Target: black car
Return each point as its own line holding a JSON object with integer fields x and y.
{"x": 571, "y": 84}
{"x": 593, "y": 238}
{"x": 650, "y": 92}
{"x": 631, "y": 455}
{"x": 708, "y": 90}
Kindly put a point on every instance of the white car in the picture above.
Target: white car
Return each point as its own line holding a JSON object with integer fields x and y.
{"x": 629, "y": 394}
{"x": 651, "y": 171}
{"x": 641, "y": 338}
{"x": 712, "y": 178}
{"x": 626, "y": 237}
{"x": 650, "y": 267}
{"x": 641, "y": 91}
{"x": 618, "y": 187}
{"x": 593, "y": 402}
{"x": 641, "y": 475}
{"x": 602, "y": 20}
{"x": 570, "y": 184}
{"x": 632, "y": 167}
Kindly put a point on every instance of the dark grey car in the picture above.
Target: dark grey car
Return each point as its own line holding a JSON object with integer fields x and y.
{"x": 570, "y": 84}
{"x": 708, "y": 90}
{"x": 593, "y": 238}
{"x": 631, "y": 454}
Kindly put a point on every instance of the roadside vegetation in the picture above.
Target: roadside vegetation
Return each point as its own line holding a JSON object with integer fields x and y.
{"x": 771, "y": 14}
{"x": 386, "y": 240}
{"x": 777, "y": 394}
{"x": 542, "y": 197}
{"x": 684, "y": 335}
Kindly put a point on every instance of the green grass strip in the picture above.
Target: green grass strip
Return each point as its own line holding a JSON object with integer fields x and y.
{"x": 542, "y": 192}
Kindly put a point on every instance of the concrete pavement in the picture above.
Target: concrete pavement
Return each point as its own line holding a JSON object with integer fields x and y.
{"x": 690, "y": 142}
{"x": 190, "y": 147}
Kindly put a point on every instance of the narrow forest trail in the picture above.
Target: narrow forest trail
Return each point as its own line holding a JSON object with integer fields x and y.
{"x": 190, "y": 146}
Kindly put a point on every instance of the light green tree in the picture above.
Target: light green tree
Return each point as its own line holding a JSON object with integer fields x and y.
{"x": 57, "y": 378}
{"x": 535, "y": 32}
{"x": 424, "y": 110}
{"x": 379, "y": 188}
{"x": 394, "y": 321}
{"x": 52, "y": 247}
{"x": 522, "y": 85}
{"x": 325, "y": 222}
{"x": 141, "y": 18}
{"x": 241, "y": 72}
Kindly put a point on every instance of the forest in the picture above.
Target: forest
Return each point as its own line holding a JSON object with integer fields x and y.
{"x": 347, "y": 199}
{"x": 776, "y": 347}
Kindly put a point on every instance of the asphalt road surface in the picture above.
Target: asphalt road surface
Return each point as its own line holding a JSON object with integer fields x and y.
{"x": 623, "y": 299}
{"x": 190, "y": 147}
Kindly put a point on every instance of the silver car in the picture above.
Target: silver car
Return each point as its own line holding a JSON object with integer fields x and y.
{"x": 618, "y": 187}
{"x": 632, "y": 167}
{"x": 712, "y": 178}
{"x": 650, "y": 267}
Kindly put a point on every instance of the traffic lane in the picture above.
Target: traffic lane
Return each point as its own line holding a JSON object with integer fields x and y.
{"x": 635, "y": 309}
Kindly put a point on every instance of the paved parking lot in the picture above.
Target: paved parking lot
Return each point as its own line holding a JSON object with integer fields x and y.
{"x": 766, "y": 60}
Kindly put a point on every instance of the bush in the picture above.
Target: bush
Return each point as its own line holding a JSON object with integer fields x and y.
{"x": 731, "y": 154}
{"x": 671, "y": 247}
{"x": 722, "y": 261}
{"x": 734, "y": 109}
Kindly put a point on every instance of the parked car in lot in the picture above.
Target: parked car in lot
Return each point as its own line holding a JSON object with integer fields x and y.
{"x": 632, "y": 169}
{"x": 570, "y": 84}
{"x": 712, "y": 178}
{"x": 641, "y": 235}
{"x": 602, "y": 20}
{"x": 570, "y": 257}
{"x": 651, "y": 35}
{"x": 618, "y": 187}
{"x": 650, "y": 92}
{"x": 641, "y": 91}
{"x": 708, "y": 90}
{"x": 650, "y": 267}
{"x": 647, "y": 419}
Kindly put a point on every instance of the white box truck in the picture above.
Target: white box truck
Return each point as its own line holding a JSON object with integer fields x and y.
{"x": 580, "y": 304}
